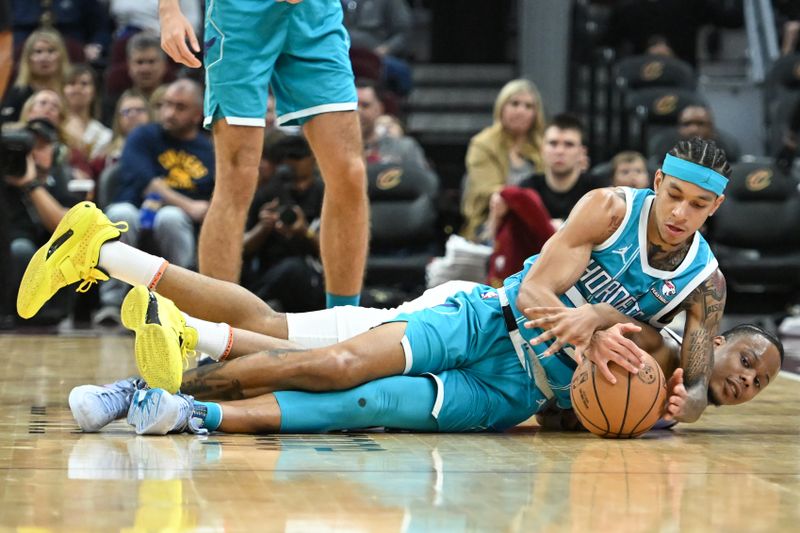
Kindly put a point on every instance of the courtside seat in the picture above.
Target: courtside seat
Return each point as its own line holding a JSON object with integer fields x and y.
{"x": 655, "y": 110}
{"x": 754, "y": 233}
{"x": 642, "y": 71}
{"x": 403, "y": 225}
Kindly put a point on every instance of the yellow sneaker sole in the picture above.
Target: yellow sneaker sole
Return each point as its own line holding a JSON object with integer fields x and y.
{"x": 157, "y": 347}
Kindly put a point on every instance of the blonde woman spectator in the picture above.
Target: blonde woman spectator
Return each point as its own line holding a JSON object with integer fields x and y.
{"x": 629, "y": 169}
{"x": 156, "y": 100}
{"x": 80, "y": 93}
{"x": 132, "y": 111}
{"x": 48, "y": 104}
{"x": 504, "y": 153}
{"x": 44, "y": 64}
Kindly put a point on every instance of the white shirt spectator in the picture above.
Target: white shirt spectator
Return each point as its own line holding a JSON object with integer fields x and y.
{"x": 143, "y": 14}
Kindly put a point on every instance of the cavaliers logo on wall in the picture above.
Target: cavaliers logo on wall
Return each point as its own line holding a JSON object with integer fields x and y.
{"x": 758, "y": 180}
{"x": 389, "y": 178}
{"x": 666, "y": 104}
{"x": 652, "y": 70}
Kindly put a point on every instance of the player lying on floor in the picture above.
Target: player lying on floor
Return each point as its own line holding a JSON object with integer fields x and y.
{"x": 464, "y": 365}
{"x": 746, "y": 360}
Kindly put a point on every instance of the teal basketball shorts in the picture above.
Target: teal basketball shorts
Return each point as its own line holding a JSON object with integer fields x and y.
{"x": 463, "y": 344}
{"x": 300, "y": 51}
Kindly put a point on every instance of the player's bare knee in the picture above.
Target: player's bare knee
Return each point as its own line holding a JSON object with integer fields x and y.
{"x": 343, "y": 370}
{"x": 260, "y": 317}
{"x": 348, "y": 180}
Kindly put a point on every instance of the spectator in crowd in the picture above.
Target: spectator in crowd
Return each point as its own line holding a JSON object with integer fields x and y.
{"x": 35, "y": 201}
{"x": 633, "y": 23}
{"x": 6, "y": 64}
{"x": 384, "y": 27}
{"x": 156, "y": 99}
{"x": 171, "y": 165}
{"x": 658, "y": 45}
{"x": 379, "y": 147}
{"x": 629, "y": 169}
{"x": 6, "y": 46}
{"x": 49, "y": 105}
{"x": 694, "y": 121}
{"x": 147, "y": 69}
{"x": 389, "y": 126}
{"x": 43, "y": 65}
{"x": 281, "y": 241}
{"x": 788, "y": 15}
{"x": 563, "y": 181}
{"x": 80, "y": 93}
{"x": 132, "y": 111}
{"x": 147, "y": 64}
{"x": 132, "y": 16}
{"x": 82, "y": 21}
{"x": 504, "y": 153}
{"x": 787, "y": 152}
{"x": 522, "y": 218}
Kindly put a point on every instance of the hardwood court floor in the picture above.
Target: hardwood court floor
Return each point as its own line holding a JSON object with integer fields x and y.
{"x": 736, "y": 470}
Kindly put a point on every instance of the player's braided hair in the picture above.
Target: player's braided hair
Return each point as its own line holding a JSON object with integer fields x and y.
{"x": 703, "y": 152}
{"x": 753, "y": 329}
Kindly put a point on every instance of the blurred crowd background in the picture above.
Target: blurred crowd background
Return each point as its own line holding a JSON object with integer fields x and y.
{"x": 483, "y": 124}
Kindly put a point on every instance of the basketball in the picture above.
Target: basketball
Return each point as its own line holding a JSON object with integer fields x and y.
{"x": 624, "y": 410}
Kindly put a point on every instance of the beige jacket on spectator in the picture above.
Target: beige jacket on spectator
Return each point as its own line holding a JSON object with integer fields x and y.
{"x": 487, "y": 172}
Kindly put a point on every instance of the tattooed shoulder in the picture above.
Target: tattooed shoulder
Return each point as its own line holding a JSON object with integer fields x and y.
{"x": 616, "y": 211}
{"x": 710, "y": 297}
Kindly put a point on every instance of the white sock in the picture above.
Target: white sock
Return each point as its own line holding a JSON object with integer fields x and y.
{"x": 131, "y": 265}
{"x": 213, "y": 338}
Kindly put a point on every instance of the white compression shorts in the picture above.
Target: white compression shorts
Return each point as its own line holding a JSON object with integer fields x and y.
{"x": 329, "y": 326}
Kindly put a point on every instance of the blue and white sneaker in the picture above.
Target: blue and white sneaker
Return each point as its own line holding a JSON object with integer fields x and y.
{"x": 94, "y": 406}
{"x": 157, "y": 412}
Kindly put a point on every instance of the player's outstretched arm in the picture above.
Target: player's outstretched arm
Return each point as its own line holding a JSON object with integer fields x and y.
{"x": 578, "y": 325}
{"x": 566, "y": 254}
{"x": 704, "y": 313}
{"x": 175, "y": 31}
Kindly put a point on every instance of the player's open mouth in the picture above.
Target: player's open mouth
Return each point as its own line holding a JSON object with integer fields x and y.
{"x": 674, "y": 230}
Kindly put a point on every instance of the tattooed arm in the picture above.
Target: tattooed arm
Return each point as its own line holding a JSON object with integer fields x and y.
{"x": 236, "y": 379}
{"x": 566, "y": 254}
{"x": 564, "y": 258}
{"x": 704, "y": 308}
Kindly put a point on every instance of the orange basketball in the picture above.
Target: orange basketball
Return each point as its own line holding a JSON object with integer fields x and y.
{"x": 624, "y": 410}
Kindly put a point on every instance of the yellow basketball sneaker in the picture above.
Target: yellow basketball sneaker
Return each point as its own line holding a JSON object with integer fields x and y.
{"x": 70, "y": 255}
{"x": 163, "y": 340}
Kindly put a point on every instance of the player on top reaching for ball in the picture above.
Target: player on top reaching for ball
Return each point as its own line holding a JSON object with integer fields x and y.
{"x": 467, "y": 365}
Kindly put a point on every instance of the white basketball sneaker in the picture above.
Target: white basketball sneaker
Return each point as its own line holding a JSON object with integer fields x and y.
{"x": 157, "y": 412}
{"x": 95, "y": 406}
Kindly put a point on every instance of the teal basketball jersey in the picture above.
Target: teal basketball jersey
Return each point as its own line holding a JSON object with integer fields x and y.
{"x": 619, "y": 273}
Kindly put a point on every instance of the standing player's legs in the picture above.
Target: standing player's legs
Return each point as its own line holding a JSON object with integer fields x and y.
{"x": 237, "y": 150}
{"x": 243, "y": 39}
{"x": 314, "y": 87}
{"x": 335, "y": 139}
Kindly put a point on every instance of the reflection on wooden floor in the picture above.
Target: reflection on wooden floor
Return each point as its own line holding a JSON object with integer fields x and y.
{"x": 738, "y": 469}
